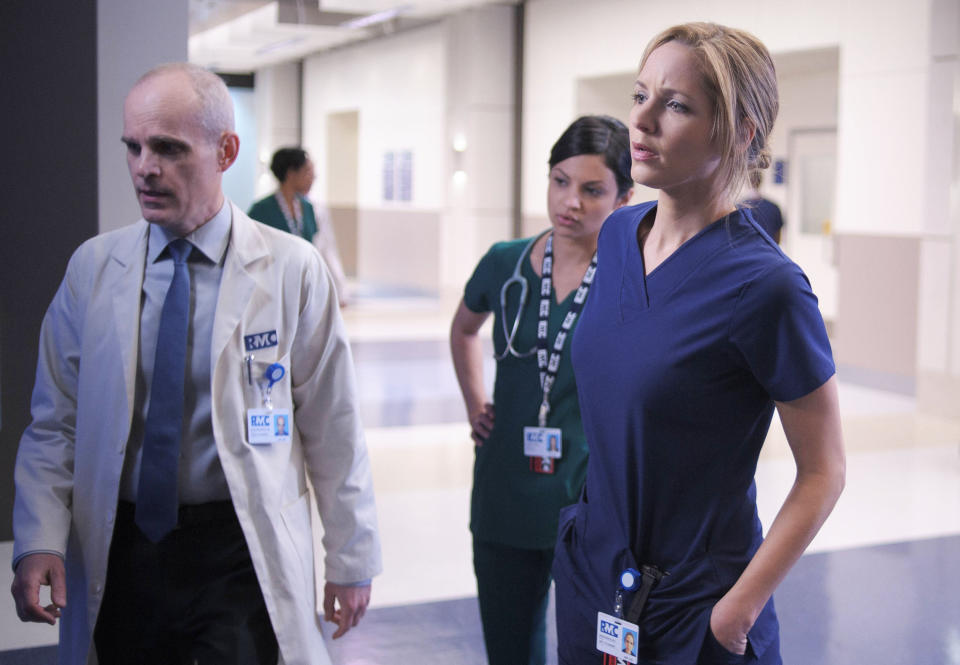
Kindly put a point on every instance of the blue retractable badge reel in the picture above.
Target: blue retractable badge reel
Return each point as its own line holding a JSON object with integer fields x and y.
{"x": 273, "y": 373}
{"x": 629, "y": 580}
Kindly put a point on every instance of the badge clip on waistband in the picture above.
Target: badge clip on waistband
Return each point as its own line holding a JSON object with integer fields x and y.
{"x": 646, "y": 578}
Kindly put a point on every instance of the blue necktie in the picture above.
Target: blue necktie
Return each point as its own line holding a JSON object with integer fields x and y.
{"x": 156, "y": 513}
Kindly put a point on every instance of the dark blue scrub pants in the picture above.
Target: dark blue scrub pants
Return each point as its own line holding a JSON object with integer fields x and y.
{"x": 513, "y": 586}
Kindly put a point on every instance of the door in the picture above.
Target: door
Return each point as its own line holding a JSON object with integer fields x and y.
{"x": 811, "y": 196}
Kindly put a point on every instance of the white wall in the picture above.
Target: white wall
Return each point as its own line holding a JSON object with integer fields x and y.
{"x": 277, "y": 103}
{"x": 808, "y": 83}
{"x": 417, "y": 91}
{"x": 398, "y": 86}
{"x": 480, "y": 110}
{"x": 128, "y": 46}
{"x": 239, "y": 182}
{"x": 939, "y": 336}
{"x": 567, "y": 40}
{"x": 885, "y": 67}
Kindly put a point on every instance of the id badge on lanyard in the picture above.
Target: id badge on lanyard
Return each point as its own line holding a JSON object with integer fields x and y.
{"x": 541, "y": 444}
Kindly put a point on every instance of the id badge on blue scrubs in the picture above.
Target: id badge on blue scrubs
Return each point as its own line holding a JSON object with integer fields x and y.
{"x": 543, "y": 442}
{"x": 617, "y": 637}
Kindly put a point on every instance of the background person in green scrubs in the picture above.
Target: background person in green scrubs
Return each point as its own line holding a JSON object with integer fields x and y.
{"x": 516, "y": 494}
{"x": 288, "y": 209}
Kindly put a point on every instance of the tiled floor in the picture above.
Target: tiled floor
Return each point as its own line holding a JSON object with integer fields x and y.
{"x": 880, "y": 584}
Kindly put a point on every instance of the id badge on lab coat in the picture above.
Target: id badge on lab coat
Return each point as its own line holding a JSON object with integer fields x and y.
{"x": 267, "y": 426}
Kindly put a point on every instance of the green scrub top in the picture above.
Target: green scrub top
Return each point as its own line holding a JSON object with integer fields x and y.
{"x": 267, "y": 211}
{"x": 511, "y": 504}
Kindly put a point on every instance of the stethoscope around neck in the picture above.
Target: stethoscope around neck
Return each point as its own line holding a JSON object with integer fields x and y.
{"x": 516, "y": 278}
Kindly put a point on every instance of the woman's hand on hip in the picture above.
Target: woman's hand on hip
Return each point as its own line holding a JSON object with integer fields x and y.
{"x": 481, "y": 423}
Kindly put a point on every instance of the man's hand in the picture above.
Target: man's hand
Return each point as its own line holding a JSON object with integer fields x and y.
{"x": 34, "y": 571}
{"x": 352, "y": 601}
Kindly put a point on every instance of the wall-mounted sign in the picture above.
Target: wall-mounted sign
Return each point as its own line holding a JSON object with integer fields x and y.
{"x": 398, "y": 175}
{"x": 389, "y": 175}
{"x": 405, "y": 176}
{"x": 780, "y": 172}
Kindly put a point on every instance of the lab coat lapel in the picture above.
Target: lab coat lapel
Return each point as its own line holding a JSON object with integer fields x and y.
{"x": 238, "y": 282}
{"x": 128, "y": 260}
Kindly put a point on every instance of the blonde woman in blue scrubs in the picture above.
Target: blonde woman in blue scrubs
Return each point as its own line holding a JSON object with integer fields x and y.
{"x": 698, "y": 327}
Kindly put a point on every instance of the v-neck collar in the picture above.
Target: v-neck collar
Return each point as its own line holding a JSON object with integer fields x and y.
{"x": 535, "y": 279}
{"x": 640, "y": 291}
{"x": 528, "y": 263}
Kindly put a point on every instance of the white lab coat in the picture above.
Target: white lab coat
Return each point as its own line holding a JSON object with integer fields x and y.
{"x": 70, "y": 458}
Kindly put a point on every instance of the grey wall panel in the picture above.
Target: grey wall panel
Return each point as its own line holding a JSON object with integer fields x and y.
{"x": 49, "y": 62}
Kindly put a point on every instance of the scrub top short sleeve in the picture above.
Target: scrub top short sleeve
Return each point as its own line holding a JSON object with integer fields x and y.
{"x": 482, "y": 283}
{"x": 778, "y": 329}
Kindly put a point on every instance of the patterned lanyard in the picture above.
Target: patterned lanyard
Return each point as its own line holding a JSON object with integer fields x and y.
{"x": 549, "y": 368}
{"x": 294, "y": 218}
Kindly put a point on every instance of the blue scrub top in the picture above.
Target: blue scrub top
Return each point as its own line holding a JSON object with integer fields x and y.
{"x": 677, "y": 372}
{"x": 766, "y": 214}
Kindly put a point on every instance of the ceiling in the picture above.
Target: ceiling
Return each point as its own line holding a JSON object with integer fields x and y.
{"x": 244, "y": 35}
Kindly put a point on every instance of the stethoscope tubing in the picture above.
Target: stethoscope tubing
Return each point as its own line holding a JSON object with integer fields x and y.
{"x": 516, "y": 278}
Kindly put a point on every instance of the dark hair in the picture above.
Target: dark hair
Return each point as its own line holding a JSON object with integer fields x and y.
{"x": 285, "y": 159}
{"x": 597, "y": 135}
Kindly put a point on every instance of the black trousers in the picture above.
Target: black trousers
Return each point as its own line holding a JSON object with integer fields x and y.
{"x": 191, "y": 599}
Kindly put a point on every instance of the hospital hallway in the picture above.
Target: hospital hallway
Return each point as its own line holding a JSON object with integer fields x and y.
{"x": 879, "y": 585}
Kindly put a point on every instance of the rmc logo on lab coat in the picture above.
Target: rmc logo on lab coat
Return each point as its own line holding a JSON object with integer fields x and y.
{"x": 262, "y": 340}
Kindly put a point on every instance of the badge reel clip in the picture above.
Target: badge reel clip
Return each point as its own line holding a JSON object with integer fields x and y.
{"x": 272, "y": 375}
{"x": 632, "y": 579}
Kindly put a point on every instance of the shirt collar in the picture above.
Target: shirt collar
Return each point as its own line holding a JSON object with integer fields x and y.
{"x": 211, "y": 239}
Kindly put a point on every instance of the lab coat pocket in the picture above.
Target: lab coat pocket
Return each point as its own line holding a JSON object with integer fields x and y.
{"x": 296, "y": 519}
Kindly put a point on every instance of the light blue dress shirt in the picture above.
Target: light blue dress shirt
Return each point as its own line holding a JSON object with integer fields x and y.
{"x": 200, "y": 475}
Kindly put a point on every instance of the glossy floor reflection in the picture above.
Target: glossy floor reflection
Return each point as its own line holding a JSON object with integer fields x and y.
{"x": 891, "y": 604}
{"x": 880, "y": 584}
{"x": 883, "y": 605}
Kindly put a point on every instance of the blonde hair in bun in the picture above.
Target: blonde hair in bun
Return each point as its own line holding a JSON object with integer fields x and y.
{"x": 739, "y": 75}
